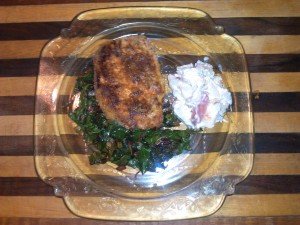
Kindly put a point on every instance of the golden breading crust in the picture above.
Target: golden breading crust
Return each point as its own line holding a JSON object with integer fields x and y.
{"x": 128, "y": 83}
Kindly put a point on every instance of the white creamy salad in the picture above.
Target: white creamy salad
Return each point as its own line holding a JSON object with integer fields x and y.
{"x": 201, "y": 100}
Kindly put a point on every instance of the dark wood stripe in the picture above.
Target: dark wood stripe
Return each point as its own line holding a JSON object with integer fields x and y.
{"x": 16, "y": 145}
{"x": 259, "y": 184}
{"x": 16, "y": 105}
{"x": 74, "y": 144}
{"x": 31, "y": 31}
{"x": 269, "y": 102}
{"x": 240, "y": 105}
{"x": 275, "y": 184}
{"x": 24, "y": 186}
{"x": 264, "y": 143}
{"x": 278, "y": 220}
{"x": 19, "y": 67}
{"x": 256, "y": 63}
{"x": 232, "y": 26}
{"x": 276, "y": 102}
{"x": 273, "y": 63}
{"x": 168, "y": 63}
{"x": 277, "y": 142}
{"x": 262, "y": 102}
{"x": 260, "y": 25}
{"x": 85, "y": 28}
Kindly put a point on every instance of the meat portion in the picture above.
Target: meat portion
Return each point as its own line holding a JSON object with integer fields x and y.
{"x": 128, "y": 83}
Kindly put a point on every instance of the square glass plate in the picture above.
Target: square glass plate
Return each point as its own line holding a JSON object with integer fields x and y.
{"x": 195, "y": 183}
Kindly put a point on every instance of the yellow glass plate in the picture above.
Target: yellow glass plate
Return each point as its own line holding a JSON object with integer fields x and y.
{"x": 195, "y": 183}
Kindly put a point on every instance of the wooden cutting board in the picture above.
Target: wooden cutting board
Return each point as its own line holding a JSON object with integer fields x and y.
{"x": 270, "y": 34}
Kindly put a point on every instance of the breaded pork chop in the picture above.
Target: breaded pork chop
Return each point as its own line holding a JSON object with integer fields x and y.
{"x": 128, "y": 83}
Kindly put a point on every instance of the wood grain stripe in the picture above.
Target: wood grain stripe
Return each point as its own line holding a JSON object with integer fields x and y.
{"x": 21, "y": 49}
{"x": 256, "y": 63}
{"x": 268, "y": 185}
{"x": 277, "y": 220}
{"x": 16, "y": 125}
{"x": 261, "y": 82}
{"x": 44, "y": 2}
{"x": 232, "y": 26}
{"x": 31, "y": 31}
{"x": 48, "y": 124}
{"x": 15, "y": 166}
{"x": 257, "y": 205}
{"x": 19, "y": 67}
{"x": 217, "y": 9}
{"x": 16, "y": 145}
{"x": 260, "y": 25}
{"x": 274, "y": 164}
{"x": 275, "y": 82}
{"x": 264, "y": 164}
{"x": 275, "y": 44}
{"x": 277, "y": 142}
{"x": 17, "y": 86}
{"x": 35, "y": 207}
{"x": 286, "y": 44}
{"x": 264, "y": 143}
{"x": 275, "y": 102}
{"x": 277, "y": 122}
{"x": 273, "y": 63}
{"x": 11, "y": 105}
{"x": 261, "y": 102}
{"x": 260, "y": 205}
{"x": 24, "y": 186}
{"x": 260, "y": 184}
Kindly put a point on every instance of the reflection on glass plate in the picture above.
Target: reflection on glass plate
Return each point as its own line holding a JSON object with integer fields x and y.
{"x": 194, "y": 183}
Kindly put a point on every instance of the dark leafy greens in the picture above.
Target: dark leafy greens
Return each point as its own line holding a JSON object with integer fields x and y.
{"x": 145, "y": 150}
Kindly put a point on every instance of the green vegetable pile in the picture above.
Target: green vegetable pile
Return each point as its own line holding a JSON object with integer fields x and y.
{"x": 145, "y": 150}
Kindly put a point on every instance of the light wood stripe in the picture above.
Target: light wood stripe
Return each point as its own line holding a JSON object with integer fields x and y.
{"x": 264, "y": 123}
{"x": 227, "y": 166}
{"x": 237, "y": 81}
{"x": 264, "y": 164}
{"x": 17, "y": 86}
{"x": 21, "y": 49}
{"x": 287, "y": 122}
{"x": 62, "y": 125}
{"x": 218, "y": 9}
{"x": 277, "y": 122}
{"x": 276, "y": 164}
{"x": 17, "y": 166}
{"x": 268, "y": 44}
{"x": 265, "y": 44}
{"x": 236, "y": 205}
{"x": 36, "y": 207}
{"x": 274, "y": 122}
{"x": 275, "y": 82}
{"x": 16, "y": 125}
{"x": 261, "y": 82}
{"x": 260, "y": 205}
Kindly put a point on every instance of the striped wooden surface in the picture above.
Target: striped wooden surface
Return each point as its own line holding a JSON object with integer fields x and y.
{"x": 269, "y": 32}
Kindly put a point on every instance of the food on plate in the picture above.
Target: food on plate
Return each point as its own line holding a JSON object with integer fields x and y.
{"x": 201, "y": 98}
{"x": 128, "y": 83}
{"x": 124, "y": 110}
